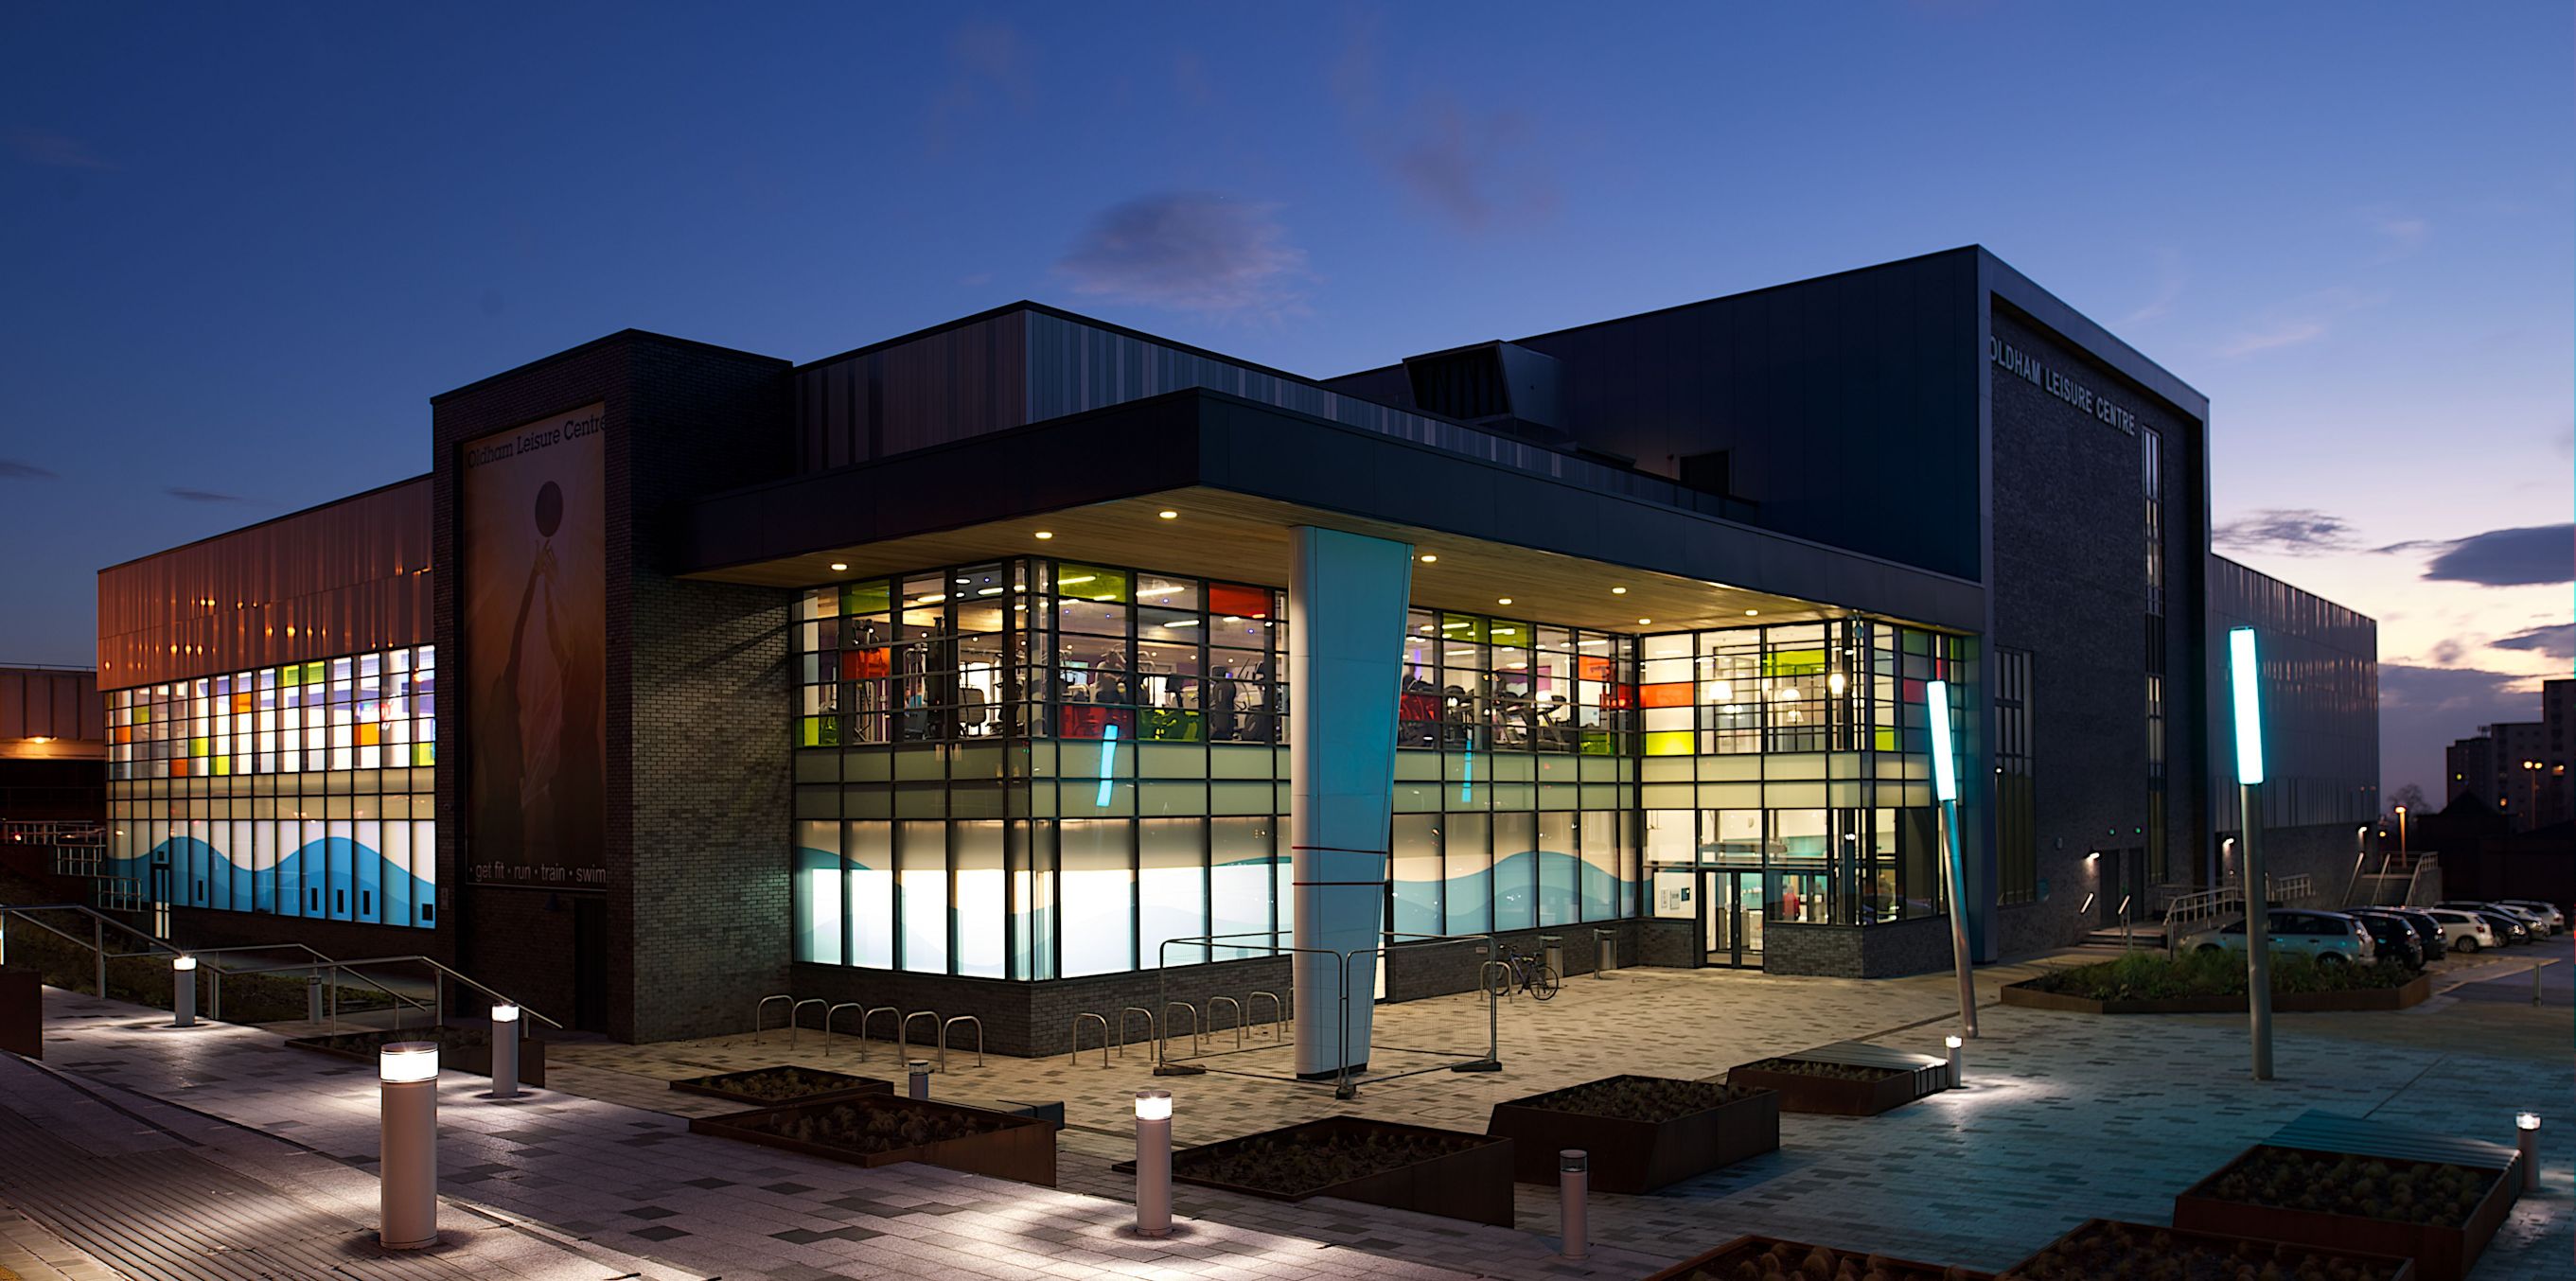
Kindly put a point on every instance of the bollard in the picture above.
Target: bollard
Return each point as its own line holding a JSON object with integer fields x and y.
{"x": 1573, "y": 1181}
{"x": 313, "y": 997}
{"x": 505, "y": 1051}
{"x": 1153, "y": 1163}
{"x": 1953, "y": 1042}
{"x": 407, "y": 1152}
{"x": 2526, "y": 1140}
{"x": 920, "y": 1069}
{"x": 2535, "y": 981}
{"x": 183, "y": 991}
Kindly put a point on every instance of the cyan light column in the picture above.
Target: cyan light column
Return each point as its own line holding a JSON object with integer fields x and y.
{"x": 1346, "y": 599}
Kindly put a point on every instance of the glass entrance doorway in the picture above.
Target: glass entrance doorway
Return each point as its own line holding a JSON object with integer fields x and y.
{"x": 1734, "y": 908}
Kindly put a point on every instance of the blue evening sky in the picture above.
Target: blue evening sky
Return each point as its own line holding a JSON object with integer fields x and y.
{"x": 243, "y": 245}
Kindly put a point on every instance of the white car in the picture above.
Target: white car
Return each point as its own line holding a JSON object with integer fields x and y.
{"x": 2549, "y": 915}
{"x": 2462, "y": 931}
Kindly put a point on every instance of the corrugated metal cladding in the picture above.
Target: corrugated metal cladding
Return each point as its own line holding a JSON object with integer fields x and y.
{"x": 2320, "y": 700}
{"x": 957, "y": 383}
{"x": 350, "y": 576}
{"x": 45, "y": 703}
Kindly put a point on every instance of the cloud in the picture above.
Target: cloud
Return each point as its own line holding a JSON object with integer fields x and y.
{"x": 1187, "y": 251}
{"x": 2423, "y": 708}
{"x": 2292, "y": 531}
{"x": 1473, "y": 168}
{"x": 53, "y": 150}
{"x": 2557, "y": 640}
{"x": 2287, "y": 333}
{"x": 983, "y": 58}
{"x": 2532, "y": 554}
{"x": 17, "y": 469}
{"x": 203, "y": 496}
{"x": 2404, "y": 235}
{"x": 2298, "y": 322}
{"x": 2169, "y": 281}
{"x": 2447, "y": 652}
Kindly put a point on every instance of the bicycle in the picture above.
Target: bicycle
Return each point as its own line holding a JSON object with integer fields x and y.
{"x": 1526, "y": 974}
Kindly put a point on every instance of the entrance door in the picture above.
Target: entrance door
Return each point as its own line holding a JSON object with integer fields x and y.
{"x": 1735, "y": 911}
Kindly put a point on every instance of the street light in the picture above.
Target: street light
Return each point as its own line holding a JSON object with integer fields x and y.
{"x": 505, "y": 1051}
{"x": 2401, "y": 833}
{"x": 183, "y": 991}
{"x": 1945, "y": 788}
{"x": 1153, "y": 1163}
{"x": 2243, "y": 681}
{"x": 407, "y": 1151}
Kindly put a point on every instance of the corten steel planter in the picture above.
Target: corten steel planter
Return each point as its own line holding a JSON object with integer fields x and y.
{"x": 22, "y": 1010}
{"x": 722, "y": 1086}
{"x": 473, "y": 1058}
{"x": 2441, "y": 1253}
{"x": 1473, "y": 1183}
{"x": 2254, "y": 1251}
{"x": 2413, "y": 992}
{"x": 1018, "y": 1148}
{"x": 1827, "y": 1095}
{"x": 1630, "y": 1155}
{"x": 1720, "y": 1262}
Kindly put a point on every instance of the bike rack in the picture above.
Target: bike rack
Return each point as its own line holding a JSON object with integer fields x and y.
{"x": 1122, "y": 1026}
{"x": 756, "y": 1012}
{"x": 869, "y": 1016}
{"x": 903, "y": 1035}
{"x": 795, "y": 1016}
{"x": 1238, "y": 1016}
{"x": 1278, "y": 1013}
{"x": 1163, "y": 1043}
{"x": 943, "y": 1039}
{"x": 827, "y": 1025}
{"x": 1077, "y": 1037}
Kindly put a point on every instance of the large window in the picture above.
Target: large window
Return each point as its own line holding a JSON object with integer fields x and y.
{"x": 302, "y": 790}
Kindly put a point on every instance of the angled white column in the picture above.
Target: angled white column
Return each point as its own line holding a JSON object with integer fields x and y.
{"x": 1346, "y": 599}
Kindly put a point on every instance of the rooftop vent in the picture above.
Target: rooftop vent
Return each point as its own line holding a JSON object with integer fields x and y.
{"x": 1497, "y": 386}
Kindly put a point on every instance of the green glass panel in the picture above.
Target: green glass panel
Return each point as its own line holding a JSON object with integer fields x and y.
{"x": 1164, "y": 725}
{"x": 1670, "y": 742}
{"x": 867, "y": 598}
{"x": 1462, "y": 627}
{"x": 1506, "y": 633}
{"x": 1091, "y": 582}
{"x": 424, "y": 753}
{"x": 1887, "y": 740}
{"x": 1597, "y": 743}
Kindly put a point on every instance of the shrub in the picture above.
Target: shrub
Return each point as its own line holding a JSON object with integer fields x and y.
{"x": 2128, "y": 1252}
{"x": 1639, "y": 1098}
{"x": 1809, "y": 1067}
{"x": 882, "y": 1125}
{"x": 1300, "y": 1164}
{"x": 2150, "y": 976}
{"x": 1792, "y": 1261}
{"x": 2365, "y": 1187}
{"x": 779, "y": 1084}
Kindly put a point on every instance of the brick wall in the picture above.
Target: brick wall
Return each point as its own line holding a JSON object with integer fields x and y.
{"x": 1918, "y": 946}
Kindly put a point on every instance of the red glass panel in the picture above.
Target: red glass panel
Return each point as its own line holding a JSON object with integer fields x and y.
{"x": 1242, "y": 602}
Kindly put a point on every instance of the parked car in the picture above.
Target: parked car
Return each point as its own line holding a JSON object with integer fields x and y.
{"x": 2548, "y": 913}
{"x": 2466, "y": 932}
{"x": 2427, "y": 932}
{"x": 2395, "y": 939}
{"x": 2512, "y": 929}
{"x": 2331, "y": 937}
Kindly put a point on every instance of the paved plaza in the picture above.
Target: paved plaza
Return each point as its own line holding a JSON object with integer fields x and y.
{"x": 2064, "y": 1117}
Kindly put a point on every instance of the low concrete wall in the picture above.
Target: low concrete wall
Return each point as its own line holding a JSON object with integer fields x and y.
{"x": 1887, "y": 950}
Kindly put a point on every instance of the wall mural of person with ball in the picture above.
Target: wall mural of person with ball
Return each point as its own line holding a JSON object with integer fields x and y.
{"x": 536, "y": 647}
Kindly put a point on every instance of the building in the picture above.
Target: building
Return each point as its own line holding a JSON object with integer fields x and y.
{"x": 53, "y": 778}
{"x": 2519, "y": 768}
{"x": 1029, "y": 666}
{"x": 2557, "y": 790}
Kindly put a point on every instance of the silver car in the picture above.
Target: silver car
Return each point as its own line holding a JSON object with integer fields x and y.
{"x": 2549, "y": 915}
{"x": 2331, "y": 937}
{"x": 2531, "y": 920}
{"x": 2463, "y": 931}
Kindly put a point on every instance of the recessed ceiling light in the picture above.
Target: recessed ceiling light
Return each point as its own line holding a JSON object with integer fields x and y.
{"x": 1044, "y": 534}
{"x": 1502, "y": 600}
{"x": 1169, "y": 515}
{"x": 1753, "y": 613}
{"x": 1645, "y": 620}
{"x": 1618, "y": 591}
{"x": 838, "y": 566}
{"x": 1429, "y": 559}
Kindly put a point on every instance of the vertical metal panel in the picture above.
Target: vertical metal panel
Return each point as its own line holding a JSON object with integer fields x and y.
{"x": 350, "y": 576}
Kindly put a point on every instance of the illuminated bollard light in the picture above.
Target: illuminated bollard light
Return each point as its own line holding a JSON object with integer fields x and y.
{"x": 407, "y": 1152}
{"x": 1573, "y": 1185}
{"x": 920, "y": 1069}
{"x": 505, "y": 1051}
{"x": 2526, "y": 1140}
{"x": 1953, "y": 1042}
{"x": 1153, "y": 1163}
{"x": 183, "y": 991}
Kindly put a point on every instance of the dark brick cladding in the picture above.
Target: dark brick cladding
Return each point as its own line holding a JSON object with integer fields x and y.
{"x": 1918, "y": 946}
{"x": 696, "y": 814}
{"x": 2070, "y": 586}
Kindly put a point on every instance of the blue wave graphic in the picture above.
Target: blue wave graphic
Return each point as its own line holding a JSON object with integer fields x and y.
{"x": 334, "y": 878}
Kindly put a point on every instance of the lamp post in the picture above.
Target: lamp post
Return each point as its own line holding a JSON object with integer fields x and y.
{"x": 2401, "y": 833}
{"x": 2526, "y": 1138}
{"x": 2243, "y": 687}
{"x": 1153, "y": 1163}
{"x": 2531, "y": 793}
{"x": 505, "y": 1051}
{"x": 183, "y": 991}
{"x": 407, "y": 1111}
{"x": 1945, "y": 788}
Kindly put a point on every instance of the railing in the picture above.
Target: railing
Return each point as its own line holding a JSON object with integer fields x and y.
{"x": 2201, "y": 911}
{"x": 2124, "y": 921}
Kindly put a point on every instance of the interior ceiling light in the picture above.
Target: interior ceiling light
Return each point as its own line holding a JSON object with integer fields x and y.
{"x": 1618, "y": 591}
{"x": 1645, "y": 620}
{"x": 1753, "y": 613}
{"x": 1044, "y": 534}
{"x": 1502, "y": 600}
{"x": 1169, "y": 515}
{"x": 1429, "y": 559}
{"x": 838, "y": 566}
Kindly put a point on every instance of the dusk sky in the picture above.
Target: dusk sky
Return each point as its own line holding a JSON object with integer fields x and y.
{"x": 244, "y": 246}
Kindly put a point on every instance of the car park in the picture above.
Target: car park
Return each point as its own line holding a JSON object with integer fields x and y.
{"x": 2547, "y": 912}
{"x": 2331, "y": 937}
{"x": 2513, "y": 928}
{"x": 2465, "y": 932}
{"x": 2401, "y": 941}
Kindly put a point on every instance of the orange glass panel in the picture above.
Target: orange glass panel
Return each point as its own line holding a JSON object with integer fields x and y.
{"x": 1666, "y": 694}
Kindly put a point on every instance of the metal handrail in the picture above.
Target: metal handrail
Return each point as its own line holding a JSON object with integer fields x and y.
{"x": 903, "y": 1035}
{"x": 442, "y": 969}
{"x": 97, "y": 944}
{"x": 943, "y": 1038}
{"x": 827, "y": 1025}
{"x": 2086, "y": 906}
{"x": 1238, "y": 1016}
{"x": 1076, "y": 1056}
{"x": 1122, "y": 1026}
{"x": 1278, "y": 1014}
{"x": 868, "y": 1016}
{"x": 2124, "y": 921}
{"x": 796, "y": 1016}
{"x": 763, "y": 1008}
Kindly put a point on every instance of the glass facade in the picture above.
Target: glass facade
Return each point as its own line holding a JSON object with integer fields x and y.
{"x": 303, "y": 790}
{"x": 1038, "y": 768}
